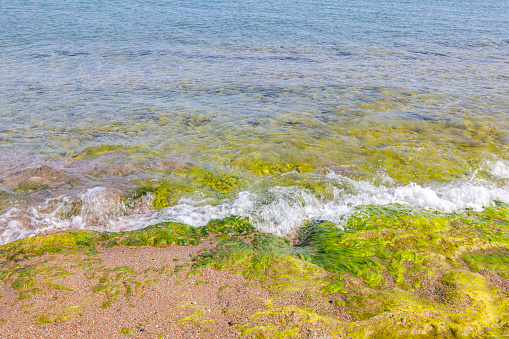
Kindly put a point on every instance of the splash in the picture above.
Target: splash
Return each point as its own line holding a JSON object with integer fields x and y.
{"x": 277, "y": 210}
{"x": 498, "y": 168}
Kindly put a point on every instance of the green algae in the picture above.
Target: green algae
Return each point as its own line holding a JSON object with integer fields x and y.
{"x": 224, "y": 287}
{"x": 128, "y": 290}
{"x": 384, "y": 258}
{"x": 409, "y": 247}
{"x": 72, "y": 312}
{"x": 196, "y": 319}
{"x": 59, "y": 286}
{"x": 498, "y": 262}
{"x": 271, "y": 331}
{"x": 160, "y": 234}
{"x": 27, "y": 293}
{"x": 360, "y": 141}
{"x": 170, "y": 233}
{"x": 390, "y": 271}
{"x": 111, "y": 293}
{"x": 383, "y": 130}
{"x": 124, "y": 330}
{"x": 252, "y": 259}
{"x": 96, "y": 151}
{"x": 285, "y": 322}
{"x": 263, "y": 164}
{"x": 177, "y": 183}
{"x": 22, "y": 283}
{"x": 168, "y": 194}
{"x": 406, "y": 244}
{"x": 71, "y": 241}
{"x": 28, "y": 280}
{"x": 222, "y": 182}
{"x": 231, "y": 225}
{"x": 29, "y": 187}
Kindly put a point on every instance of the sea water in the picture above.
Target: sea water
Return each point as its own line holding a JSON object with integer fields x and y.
{"x": 281, "y": 111}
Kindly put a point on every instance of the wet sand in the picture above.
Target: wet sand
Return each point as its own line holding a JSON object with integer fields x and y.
{"x": 163, "y": 302}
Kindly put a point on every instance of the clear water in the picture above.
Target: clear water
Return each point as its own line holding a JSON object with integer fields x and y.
{"x": 368, "y": 98}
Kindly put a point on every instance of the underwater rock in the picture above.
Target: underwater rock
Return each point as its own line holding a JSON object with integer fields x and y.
{"x": 35, "y": 176}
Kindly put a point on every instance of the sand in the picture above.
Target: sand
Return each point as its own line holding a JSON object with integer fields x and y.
{"x": 210, "y": 305}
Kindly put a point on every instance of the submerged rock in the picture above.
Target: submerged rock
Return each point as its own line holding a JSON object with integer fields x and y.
{"x": 34, "y": 177}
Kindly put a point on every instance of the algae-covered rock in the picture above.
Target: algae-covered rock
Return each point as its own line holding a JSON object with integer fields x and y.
{"x": 263, "y": 164}
{"x": 34, "y": 178}
{"x": 95, "y": 151}
{"x": 61, "y": 242}
{"x": 178, "y": 183}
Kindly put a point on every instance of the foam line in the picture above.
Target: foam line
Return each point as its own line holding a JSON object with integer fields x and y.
{"x": 277, "y": 210}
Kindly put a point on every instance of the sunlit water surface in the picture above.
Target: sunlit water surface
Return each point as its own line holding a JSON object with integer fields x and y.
{"x": 283, "y": 111}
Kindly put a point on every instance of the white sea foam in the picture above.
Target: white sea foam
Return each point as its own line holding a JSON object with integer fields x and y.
{"x": 498, "y": 168}
{"x": 98, "y": 208}
{"x": 281, "y": 209}
{"x": 277, "y": 210}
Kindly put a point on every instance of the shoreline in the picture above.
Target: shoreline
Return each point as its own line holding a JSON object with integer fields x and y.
{"x": 392, "y": 272}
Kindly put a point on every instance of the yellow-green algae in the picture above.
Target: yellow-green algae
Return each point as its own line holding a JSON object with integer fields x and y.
{"x": 84, "y": 241}
{"x": 389, "y": 272}
{"x": 498, "y": 262}
{"x": 396, "y": 272}
{"x": 197, "y": 320}
{"x": 60, "y": 242}
{"x": 180, "y": 182}
{"x": 95, "y": 151}
{"x": 36, "y": 278}
{"x": 423, "y": 147}
{"x": 72, "y": 311}
{"x": 342, "y": 135}
{"x": 3, "y": 200}
{"x": 26, "y": 188}
{"x": 126, "y": 331}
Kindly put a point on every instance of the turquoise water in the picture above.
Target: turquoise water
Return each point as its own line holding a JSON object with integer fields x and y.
{"x": 310, "y": 106}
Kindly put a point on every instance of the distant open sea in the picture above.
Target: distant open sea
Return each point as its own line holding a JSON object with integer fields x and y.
{"x": 115, "y": 115}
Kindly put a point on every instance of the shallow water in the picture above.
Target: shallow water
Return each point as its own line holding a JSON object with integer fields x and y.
{"x": 284, "y": 111}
